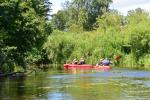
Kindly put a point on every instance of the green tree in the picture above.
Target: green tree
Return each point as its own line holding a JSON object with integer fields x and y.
{"x": 59, "y": 20}
{"x": 110, "y": 20}
{"x": 83, "y": 13}
{"x": 140, "y": 43}
{"x": 137, "y": 16}
{"x": 41, "y": 7}
{"x": 23, "y": 27}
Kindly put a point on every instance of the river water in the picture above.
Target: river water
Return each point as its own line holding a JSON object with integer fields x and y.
{"x": 116, "y": 84}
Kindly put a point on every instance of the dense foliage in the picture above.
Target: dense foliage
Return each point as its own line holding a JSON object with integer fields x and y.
{"x": 114, "y": 35}
{"x": 23, "y": 30}
{"x": 80, "y": 14}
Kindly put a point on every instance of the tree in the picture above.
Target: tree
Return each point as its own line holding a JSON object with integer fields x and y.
{"x": 23, "y": 26}
{"x": 59, "y": 20}
{"x": 83, "y": 13}
{"x": 112, "y": 19}
{"x": 138, "y": 25}
{"x": 41, "y": 7}
{"x": 137, "y": 16}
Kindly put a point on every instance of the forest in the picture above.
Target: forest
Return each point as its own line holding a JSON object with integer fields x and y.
{"x": 31, "y": 35}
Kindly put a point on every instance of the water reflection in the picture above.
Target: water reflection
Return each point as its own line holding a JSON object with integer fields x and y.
{"x": 117, "y": 84}
{"x": 77, "y": 71}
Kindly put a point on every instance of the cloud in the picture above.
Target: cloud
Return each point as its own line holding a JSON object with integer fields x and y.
{"x": 125, "y": 5}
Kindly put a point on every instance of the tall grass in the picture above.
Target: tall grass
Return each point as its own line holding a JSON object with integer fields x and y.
{"x": 63, "y": 46}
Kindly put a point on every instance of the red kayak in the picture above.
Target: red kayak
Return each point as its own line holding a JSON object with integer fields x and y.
{"x": 86, "y": 66}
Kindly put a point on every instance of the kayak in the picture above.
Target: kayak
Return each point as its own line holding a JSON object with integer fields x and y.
{"x": 70, "y": 66}
{"x": 86, "y": 66}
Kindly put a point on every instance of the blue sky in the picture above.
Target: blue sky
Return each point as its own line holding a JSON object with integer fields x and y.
{"x": 122, "y": 5}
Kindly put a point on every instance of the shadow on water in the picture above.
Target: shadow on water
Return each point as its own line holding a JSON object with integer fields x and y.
{"x": 116, "y": 84}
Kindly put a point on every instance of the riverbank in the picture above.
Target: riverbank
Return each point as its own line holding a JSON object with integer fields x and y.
{"x": 63, "y": 47}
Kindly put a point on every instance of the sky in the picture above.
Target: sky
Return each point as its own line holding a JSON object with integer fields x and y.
{"x": 121, "y": 5}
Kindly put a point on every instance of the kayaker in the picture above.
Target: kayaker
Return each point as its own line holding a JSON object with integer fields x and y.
{"x": 82, "y": 61}
{"x": 99, "y": 63}
{"x": 74, "y": 61}
{"x": 106, "y": 62}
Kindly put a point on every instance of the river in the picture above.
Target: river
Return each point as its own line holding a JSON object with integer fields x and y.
{"x": 116, "y": 84}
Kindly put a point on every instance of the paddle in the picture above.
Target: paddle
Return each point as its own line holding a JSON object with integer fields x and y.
{"x": 118, "y": 57}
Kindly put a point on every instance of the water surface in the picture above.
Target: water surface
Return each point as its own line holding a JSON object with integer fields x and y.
{"x": 117, "y": 84}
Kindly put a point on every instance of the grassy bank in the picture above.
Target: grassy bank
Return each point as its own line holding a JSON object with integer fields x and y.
{"x": 63, "y": 47}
